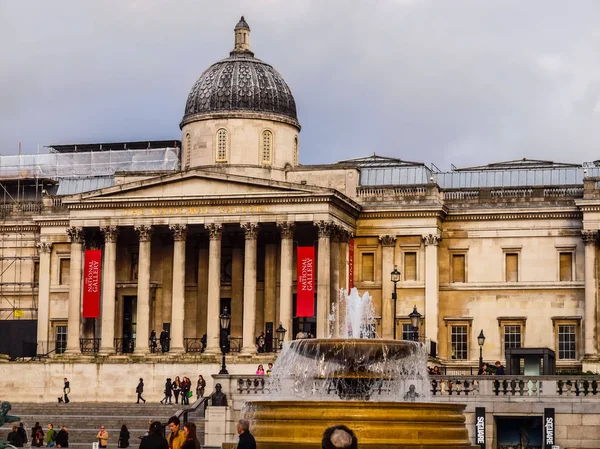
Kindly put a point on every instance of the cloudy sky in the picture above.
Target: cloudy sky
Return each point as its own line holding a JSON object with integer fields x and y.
{"x": 462, "y": 81}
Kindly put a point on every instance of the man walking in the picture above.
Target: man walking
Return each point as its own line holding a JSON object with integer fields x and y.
{"x": 66, "y": 391}
{"x": 247, "y": 441}
{"x": 139, "y": 390}
{"x": 50, "y": 436}
{"x": 163, "y": 339}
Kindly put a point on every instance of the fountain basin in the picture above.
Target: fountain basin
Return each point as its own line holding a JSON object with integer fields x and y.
{"x": 382, "y": 425}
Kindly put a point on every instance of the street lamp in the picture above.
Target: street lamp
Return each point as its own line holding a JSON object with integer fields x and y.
{"x": 280, "y": 331}
{"x": 395, "y": 275}
{"x": 225, "y": 319}
{"x": 481, "y": 342}
{"x": 415, "y": 316}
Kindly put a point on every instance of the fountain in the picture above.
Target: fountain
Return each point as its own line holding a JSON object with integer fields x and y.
{"x": 377, "y": 387}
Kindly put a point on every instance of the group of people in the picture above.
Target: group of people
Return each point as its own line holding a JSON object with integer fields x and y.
{"x": 18, "y": 436}
{"x": 486, "y": 370}
{"x": 182, "y": 388}
{"x": 185, "y": 438}
{"x": 261, "y": 371}
{"x": 163, "y": 339}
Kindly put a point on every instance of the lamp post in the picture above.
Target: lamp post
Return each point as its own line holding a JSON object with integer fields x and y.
{"x": 481, "y": 342}
{"x": 280, "y": 331}
{"x": 415, "y": 316}
{"x": 395, "y": 275}
{"x": 225, "y": 319}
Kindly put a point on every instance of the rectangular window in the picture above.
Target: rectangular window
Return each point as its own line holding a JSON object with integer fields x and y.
{"x": 512, "y": 336}
{"x": 459, "y": 343}
{"x": 512, "y": 267}
{"x": 368, "y": 267}
{"x": 458, "y": 268}
{"x": 410, "y": 266}
{"x": 64, "y": 271}
{"x": 36, "y": 272}
{"x": 567, "y": 342}
{"x": 566, "y": 266}
{"x": 61, "y": 339}
{"x": 407, "y": 331}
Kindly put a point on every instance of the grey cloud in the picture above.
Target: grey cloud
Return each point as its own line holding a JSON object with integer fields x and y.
{"x": 463, "y": 82}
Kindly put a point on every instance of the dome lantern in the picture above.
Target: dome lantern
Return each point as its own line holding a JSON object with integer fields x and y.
{"x": 242, "y": 38}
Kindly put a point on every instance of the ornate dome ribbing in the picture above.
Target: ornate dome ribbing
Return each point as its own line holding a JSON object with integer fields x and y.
{"x": 240, "y": 83}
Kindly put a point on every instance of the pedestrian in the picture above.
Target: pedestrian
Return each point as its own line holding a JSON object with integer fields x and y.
{"x": 200, "y": 387}
{"x": 247, "y": 440}
{"x": 34, "y": 433}
{"x": 168, "y": 392}
{"x": 163, "y": 339}
{"x": 191, "y": 440}
{"x": 14, "y": 437}
{"x": 499, "y": 368}
{"x": 338, "y": 437}
{"x": 176, "y": 389}
{"x": 155, "y": 438}
{"x": 153, "y": 341}
{"x": 185, "y": 389}
{"x": 50, "y": 437}
{"x": 269, "y": 369}
{"x": 62, "y": 437}
{"x": 102, "y": 436}
{"x": 123, "y": 437}
{"x": 22, "y": 433}
{"x": 260, "y": 342}
{"x": 66, "y": 390}
{"x": 176, "y": 439}
{"x": 139, "y": 390}
{"x": 39, "y": 436}
{"x": 483, "y": 371}
{"x": 260, "y": 370}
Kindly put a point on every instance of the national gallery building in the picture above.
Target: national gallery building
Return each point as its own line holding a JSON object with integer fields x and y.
{"x": 104, "y": 243}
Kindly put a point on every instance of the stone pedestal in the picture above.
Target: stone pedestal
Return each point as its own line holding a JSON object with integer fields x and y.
{"x": 216, "y": 425}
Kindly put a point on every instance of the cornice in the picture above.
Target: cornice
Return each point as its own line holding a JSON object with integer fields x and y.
{"x": 402, "y": 214}
{"x": 234, "y": 113}
{"x": 19, "y": 228}
{"x": 514, "y": 216}
{"x": 53, "y": 223}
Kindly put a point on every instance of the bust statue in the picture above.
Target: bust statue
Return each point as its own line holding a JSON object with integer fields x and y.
{"x": 218, "y": 398}
{"x": 411, "y": 395}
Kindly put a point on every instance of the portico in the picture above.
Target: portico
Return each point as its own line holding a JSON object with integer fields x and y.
{"x": 173, "y": 257}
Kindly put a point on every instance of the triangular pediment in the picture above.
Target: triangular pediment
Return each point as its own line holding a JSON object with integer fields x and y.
{"x": 196, "y": 184}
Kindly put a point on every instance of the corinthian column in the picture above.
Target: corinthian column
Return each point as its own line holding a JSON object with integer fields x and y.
{"x": 178, "y": 299}
{"x": 285, "y": 286}
{"x": 143, "y": 299}
{"x": 75, "y": 276}
{"x": 388, "y": 320}
{"x": 432, "y": 242}
{"x": 214, "y": 288}
{"x": 334, "y": 275}
{"x": 45, "y": 250}
{"x": 251, "y": 232}
{"x": 323, "y": 271}
{"x": 590, "y": 239}
{"x": 107, "y": 338}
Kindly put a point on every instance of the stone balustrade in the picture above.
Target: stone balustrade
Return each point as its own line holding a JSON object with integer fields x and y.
{"x": 458, "y": 387}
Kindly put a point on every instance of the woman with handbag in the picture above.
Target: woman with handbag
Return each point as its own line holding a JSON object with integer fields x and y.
{"x": 200, "y": 386}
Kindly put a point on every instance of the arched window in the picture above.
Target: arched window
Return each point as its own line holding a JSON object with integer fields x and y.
{"x": 295, "y": 151}
{"x": 188, "y": 150}
{"x": 267, "y": 147}
{"x": 222, "y": 145}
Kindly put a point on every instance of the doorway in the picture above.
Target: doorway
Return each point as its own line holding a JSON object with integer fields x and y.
{"x": 519, "y": 432}
{"x": 129, "y": 323}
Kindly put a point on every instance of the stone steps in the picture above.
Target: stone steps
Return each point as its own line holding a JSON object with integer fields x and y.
{"x": 84, "y": 419}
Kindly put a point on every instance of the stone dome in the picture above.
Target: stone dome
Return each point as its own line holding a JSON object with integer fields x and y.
{"x": 241, "y": 85}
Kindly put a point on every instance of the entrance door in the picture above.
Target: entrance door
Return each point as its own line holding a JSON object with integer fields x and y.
{"x": 519, "y": 432}
{"x": 129, "y": 323}
{"x": 306, "y": 325}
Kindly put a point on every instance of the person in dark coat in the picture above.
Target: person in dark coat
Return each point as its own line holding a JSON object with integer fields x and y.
{"x": 155, "y": 439}
{"x": 164, "y": 340}
{"x": 499, "y": 369}
{"x": 14, "y": 437}
{"x": 62, "y": 437}
{"x": 247, "y": 441}
{"x": 22, "y": 432}
{"x": 34, "y": 432}
{"x": 191, "y": 440}
{"x": 139, "y": 390}
{"x": 168, "y": 392}
{"x": 339, "y": 437}
{"x": 123, "y": 437}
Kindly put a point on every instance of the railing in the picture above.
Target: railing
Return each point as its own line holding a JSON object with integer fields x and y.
{"x": 124, "y": 345}
{"x": 461, "y": 194}
{"x": 235, "y": 344}
{"x": 459, "y": 386}
{"x": 194, "y": 345}
{"x": 379, "y": 192}
{"x": 88, "y": 345}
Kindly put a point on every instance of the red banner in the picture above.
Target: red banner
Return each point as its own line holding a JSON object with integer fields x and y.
{"x": 305, "y": 297}
{"x": 91, "y": 283}
{"x": 350, "y": 264}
